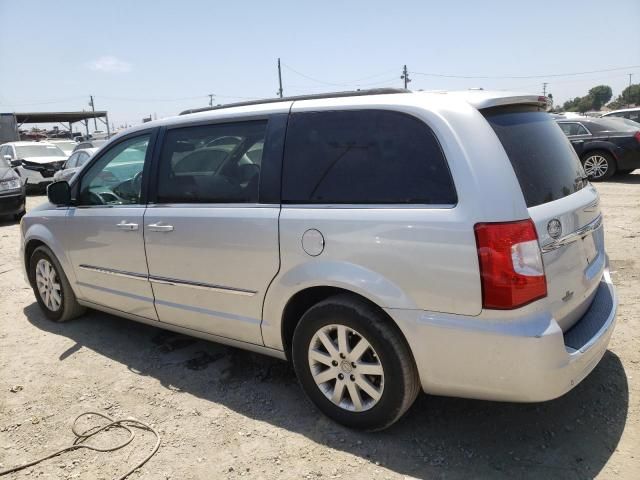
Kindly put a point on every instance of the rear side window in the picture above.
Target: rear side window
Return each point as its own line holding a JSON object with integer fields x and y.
{"x": 218, "y": 163}
{"x": 363, "y": 156}
{"x": 543, "y": 159}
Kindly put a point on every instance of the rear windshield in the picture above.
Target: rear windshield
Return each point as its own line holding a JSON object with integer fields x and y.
{"x": 543, "y": 159}
{"x": 611, "y": 125}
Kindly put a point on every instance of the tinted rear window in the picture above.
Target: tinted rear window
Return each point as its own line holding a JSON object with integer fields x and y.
{"x": 364, "y": 156}
{"x": 542, "y": 157}
{"x": 611, "y": 125}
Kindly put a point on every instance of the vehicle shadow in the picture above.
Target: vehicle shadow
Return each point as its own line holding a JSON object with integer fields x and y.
{"x": 571, "y": 437}
{"x": 632, "y": 178}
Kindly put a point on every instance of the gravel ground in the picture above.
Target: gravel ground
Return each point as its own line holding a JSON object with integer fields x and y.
{"x": 226, "y": 413}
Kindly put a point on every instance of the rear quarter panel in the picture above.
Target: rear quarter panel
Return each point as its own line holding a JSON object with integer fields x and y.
{"x": 416, "y": 257}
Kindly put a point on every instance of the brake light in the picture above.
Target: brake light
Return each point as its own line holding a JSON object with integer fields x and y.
{"x": 511, "y": 266}
{"x": 637, "y": 136}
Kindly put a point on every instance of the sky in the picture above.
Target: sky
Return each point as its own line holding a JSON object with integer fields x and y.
{"x": 140, "y": 58}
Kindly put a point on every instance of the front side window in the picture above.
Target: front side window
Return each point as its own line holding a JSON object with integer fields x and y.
{"x": 82, "y": 158}
{"x": 212, "y": 163}
{"x": 71, "y": 162}
{"x": 364, "y": 157}
{"x": 116, "y": 178}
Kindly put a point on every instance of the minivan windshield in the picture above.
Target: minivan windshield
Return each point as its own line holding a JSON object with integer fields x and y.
{"x": 41, "y": 150}
{"x": 542, "y": 157}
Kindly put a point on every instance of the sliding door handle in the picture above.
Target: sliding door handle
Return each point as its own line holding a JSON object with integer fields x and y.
{"x": 160, "y": 227}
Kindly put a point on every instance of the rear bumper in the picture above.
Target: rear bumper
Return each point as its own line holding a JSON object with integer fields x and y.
{"x": 525, "y": 361}
{"x": 12, "y": 203}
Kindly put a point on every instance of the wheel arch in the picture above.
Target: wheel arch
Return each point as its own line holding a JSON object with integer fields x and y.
{"x": 38, "y": 235}
{"x": 598, "y": 147}
{"x": 306, "y": 298}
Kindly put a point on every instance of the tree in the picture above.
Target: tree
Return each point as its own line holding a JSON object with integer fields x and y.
{"x": 630, "y": 95}
{"x": 585, "y": 104}
{"x": 570, "y": 105}
{"x": 599, "y": 95}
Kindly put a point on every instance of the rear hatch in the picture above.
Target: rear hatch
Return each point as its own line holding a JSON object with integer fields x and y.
{"x": 562, "y": 204}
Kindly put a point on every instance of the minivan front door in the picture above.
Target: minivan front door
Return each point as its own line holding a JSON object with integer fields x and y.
{"x": 212, "y": 246}
{"x": 105, "y": 230}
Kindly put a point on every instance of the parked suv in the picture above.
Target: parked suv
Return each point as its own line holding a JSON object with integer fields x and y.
{"x": 386, "y": 242}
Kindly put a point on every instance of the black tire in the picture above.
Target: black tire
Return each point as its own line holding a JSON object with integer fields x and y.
{"x": 594, "y": 157}
{"x": 69, "y": 307}
{"x": 401, "y": 383}
{"x": 19, "y": 215}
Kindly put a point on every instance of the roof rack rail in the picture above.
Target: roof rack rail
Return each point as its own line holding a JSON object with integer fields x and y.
{"x": 353, "y": 93}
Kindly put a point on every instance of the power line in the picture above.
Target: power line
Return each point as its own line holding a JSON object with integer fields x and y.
{"x": 335, "y": 84}
{"x": 514, "y": 77}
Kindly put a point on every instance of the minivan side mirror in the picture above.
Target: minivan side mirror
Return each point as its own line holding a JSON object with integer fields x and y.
{"x": 59, "y": 193}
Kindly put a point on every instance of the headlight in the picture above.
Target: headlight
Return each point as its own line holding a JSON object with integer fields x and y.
{"x": 13, "y": 184}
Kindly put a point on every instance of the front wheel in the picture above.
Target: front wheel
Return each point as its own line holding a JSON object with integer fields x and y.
{"x": 51, "y": 287}
{"x": 599, "y": 165}
{"x": 354, "y": 364}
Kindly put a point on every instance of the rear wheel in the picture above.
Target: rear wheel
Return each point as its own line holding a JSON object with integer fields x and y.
{"x": 599, "y": 165}
{"x": 354, "y": 364}
{"x": 51, "y": 287}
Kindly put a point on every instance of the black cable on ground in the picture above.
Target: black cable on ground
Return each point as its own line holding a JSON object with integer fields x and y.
{"x": 83, "y": 436}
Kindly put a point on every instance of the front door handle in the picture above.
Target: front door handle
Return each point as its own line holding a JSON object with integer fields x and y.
{"x": 127, "y": 226}
{"x": 160, "y": 227}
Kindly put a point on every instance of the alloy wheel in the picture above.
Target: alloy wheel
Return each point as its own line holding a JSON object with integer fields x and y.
{"x": 48, "y": 285}
{"x": 596, "y": 166}
{"x": 346, "y": 368}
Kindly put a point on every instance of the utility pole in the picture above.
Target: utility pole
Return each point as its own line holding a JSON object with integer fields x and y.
{"x": 93, "y": 109}
{"x": 544, "y": 89}
{"x": 279, "y": 79}
{"x": 405, "y": 76}
{"x": 211, "y": 99}
{"x": 630, "y": 75}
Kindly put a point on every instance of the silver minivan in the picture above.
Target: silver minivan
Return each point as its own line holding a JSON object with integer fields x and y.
{"x": 385, "y": 242}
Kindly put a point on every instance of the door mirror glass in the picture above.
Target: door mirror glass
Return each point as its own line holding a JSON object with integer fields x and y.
{"x": 59, "y": 193}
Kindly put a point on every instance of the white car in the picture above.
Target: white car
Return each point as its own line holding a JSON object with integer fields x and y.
{"x": 66, "y": 145}
{"x": 628, "y": 113}
{"x": 74, "y": 163}
{"x": 35, "y": 162}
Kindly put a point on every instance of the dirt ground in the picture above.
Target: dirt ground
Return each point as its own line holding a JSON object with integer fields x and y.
{"x": 226, "y": 413}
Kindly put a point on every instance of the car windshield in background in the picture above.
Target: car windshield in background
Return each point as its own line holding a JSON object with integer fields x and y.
{"x": 25, "y": 151}
{"x": 543, "y": 159}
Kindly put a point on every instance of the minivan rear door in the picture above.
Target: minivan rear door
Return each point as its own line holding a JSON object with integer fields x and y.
{"x": 562, "y": 204}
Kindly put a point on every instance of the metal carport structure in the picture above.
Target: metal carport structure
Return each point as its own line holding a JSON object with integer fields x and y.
{"x": 63, "y": 117}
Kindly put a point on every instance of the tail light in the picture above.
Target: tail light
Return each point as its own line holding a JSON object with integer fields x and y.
{"x": 510, "y": 264}
{"x": 637, "y": 136}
